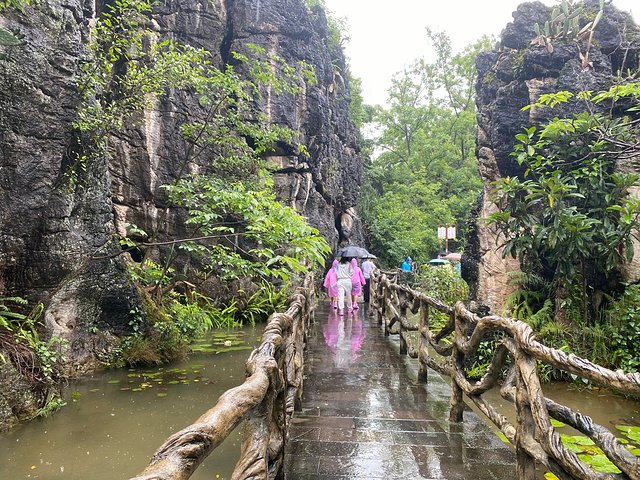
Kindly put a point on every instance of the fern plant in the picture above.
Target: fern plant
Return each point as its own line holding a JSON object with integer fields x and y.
{"x": 530, "y": 297}
{"x": 9, "y": 320}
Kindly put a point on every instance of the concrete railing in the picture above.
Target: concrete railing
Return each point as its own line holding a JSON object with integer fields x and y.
{"x": 265, "y": 401}
{"x": 533, "y": 436}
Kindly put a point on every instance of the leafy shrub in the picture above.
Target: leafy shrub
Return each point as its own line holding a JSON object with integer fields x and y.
{"x": 623, "y": 317}
{"x": 41, "y": 363}
{"x": 192, "y": 317}
{"x": 183, "y": 318}
{"x": 444, "y": 284}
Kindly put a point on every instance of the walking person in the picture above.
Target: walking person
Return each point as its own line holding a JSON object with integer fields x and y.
{"x": 367, "y": 268}
{"x": 357, "y": 281}
{"x": 331, "y": 284}
{"x": 406, "y": 265}
{"x": 344, "y": 271}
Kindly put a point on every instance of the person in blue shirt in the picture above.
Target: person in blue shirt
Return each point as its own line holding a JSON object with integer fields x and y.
{"x": 406, "y": 265}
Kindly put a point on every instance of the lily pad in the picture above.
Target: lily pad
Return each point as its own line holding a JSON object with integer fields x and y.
{"x": 93, "y": 390}
{"x": 577, "y": 439}
{"x": 632, "y": 433}
{"x": 113, "y": 381}
{"x": 573, "y": 447}
{"x": 599, "y": 463}
{"x": 232, "y": 349}
{"x": 161, "y": 394}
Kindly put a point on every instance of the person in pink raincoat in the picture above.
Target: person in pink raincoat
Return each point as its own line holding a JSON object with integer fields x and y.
{"x": 331, "y": 284}
{"x": 357, "y": 281}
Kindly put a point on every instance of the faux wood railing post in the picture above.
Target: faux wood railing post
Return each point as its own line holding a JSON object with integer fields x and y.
{"x": 386, "y": 298}
{"x": 380, "y": 298}
{"x": 403, "y": 315}
{"x": 456, "y": 404}
{"x": 372, "y": 295}
{"x": 525, "y": 425}
{"x": 374, "y": 303}
{"x": 423, "y": 331}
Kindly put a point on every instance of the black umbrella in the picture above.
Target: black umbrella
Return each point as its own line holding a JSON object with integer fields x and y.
{"x": 352, "y": 251}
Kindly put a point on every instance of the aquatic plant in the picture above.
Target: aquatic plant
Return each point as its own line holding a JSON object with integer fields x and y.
{"x": 593, "y": 456}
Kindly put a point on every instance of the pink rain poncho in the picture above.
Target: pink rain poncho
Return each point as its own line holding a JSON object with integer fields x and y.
{"x": 331, "y": 282}
{"x": 357, "y": 278}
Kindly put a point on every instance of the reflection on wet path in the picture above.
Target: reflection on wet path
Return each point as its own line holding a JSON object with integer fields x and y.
{"x": 363, "y": 417}
{"x": 344, "y": 336}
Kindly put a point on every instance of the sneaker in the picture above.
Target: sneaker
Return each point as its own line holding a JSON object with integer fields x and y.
{"x": 355, "y": 306}
{"x": 341, "y": 312}
{"x": 350, "y": 310}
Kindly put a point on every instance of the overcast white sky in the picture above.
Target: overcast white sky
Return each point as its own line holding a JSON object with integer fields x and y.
{"x": 386, "y": 37}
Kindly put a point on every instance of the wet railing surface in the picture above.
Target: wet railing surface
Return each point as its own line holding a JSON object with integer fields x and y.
{"x": 264, "y": 403}
{"x": 533, "y": 435}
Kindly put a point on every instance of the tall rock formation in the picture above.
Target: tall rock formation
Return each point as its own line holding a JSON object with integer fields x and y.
{"x": 510, "y": 79}
{"x": 47, "y": 233}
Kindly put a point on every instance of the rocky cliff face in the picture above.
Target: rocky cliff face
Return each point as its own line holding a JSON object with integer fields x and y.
{"x": 508, "y": 80}
{"x": 48, "y": 233}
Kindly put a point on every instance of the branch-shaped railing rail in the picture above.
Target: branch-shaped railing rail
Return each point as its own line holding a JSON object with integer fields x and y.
{"x": 533, "y": 436}
{"x": 265, "y": 401}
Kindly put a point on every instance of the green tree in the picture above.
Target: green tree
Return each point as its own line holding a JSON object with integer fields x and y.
{"x": 425, "y": 155}
{"x": 129, "y": 71}
{"x": 277, "y": 242}
{"x": 571, "y": 217}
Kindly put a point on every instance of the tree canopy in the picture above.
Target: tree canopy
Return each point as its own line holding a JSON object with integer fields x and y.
{"x": 423, "y": 170}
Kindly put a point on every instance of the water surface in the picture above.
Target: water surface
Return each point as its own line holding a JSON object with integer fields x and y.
{"x": 122, "y": 416}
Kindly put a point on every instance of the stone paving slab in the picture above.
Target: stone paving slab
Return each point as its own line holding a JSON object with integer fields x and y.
{"x": 363, "y": 417}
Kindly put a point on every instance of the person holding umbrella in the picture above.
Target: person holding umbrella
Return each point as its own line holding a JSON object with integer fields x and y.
{"x": 344, "y": 270}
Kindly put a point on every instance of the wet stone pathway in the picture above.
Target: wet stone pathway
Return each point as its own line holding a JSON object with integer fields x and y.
{"x": 363, "y": 415}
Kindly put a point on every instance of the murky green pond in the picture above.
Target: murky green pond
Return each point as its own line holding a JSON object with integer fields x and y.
{"x": 122, "y": 416}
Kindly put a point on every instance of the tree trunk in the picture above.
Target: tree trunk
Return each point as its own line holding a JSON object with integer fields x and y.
{"x": 560, "y": 314}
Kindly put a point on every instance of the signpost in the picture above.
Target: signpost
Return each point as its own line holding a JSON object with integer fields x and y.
{"x": 447, "y": 232}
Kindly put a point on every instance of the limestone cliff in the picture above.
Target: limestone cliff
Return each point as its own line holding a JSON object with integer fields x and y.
{"x": 48, "y": 233}
{"x": 511, "y": 78}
